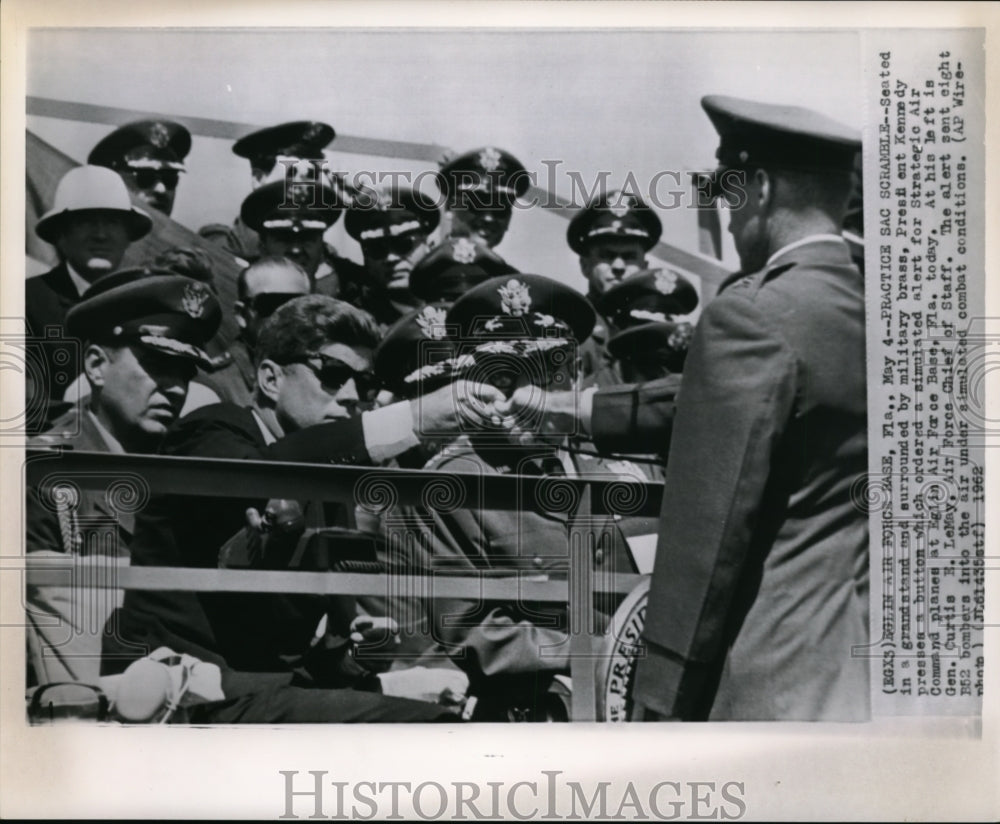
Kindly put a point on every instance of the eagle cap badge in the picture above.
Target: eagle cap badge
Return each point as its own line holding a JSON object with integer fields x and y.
{"x": 515, "y": 298}
{"x": 194, "y": 299}
{"x": 463, "y": 251}
{"x": 431, "y": 322}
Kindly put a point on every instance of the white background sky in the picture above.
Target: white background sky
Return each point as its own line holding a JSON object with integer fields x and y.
{"x": 617, "y": 101}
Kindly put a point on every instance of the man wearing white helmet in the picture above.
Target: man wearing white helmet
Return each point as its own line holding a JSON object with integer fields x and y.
{"x": 91, "y": 224}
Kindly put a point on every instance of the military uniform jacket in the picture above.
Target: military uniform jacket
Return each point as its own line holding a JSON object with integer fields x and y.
{"x": 487, "y": 640}
{"x": 57, "y": 523}
{"x": 760, "y": 589}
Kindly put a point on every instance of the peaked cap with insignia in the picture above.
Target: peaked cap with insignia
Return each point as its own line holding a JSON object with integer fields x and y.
{"x": 297, "y": 207}
{"x": 152, "y": 308}
{"x": 417, "y": 353}
{"x": 487, "y": 171}
{"x": 753, "y": 134}
{"x": 521, "y": 314}
{"x": 614, "y": 214}
{"x": 453, "y": 267}
{"x": 301, "y": 139}
{"x": 144, "y": 144}
{"x": 653, "y": 295}
{"x": 390, "y": 212}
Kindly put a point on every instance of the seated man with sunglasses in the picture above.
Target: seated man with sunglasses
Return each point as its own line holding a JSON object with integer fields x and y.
{"x": 391, "y": 225}
{"x": 313, "y": 382}
{"x": 261, "y": 288}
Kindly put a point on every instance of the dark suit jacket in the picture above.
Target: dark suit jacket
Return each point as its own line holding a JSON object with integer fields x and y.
{"x": 760, "y": 588}
{"x": 248, "y": 632}
{"x": 47, "y": 299}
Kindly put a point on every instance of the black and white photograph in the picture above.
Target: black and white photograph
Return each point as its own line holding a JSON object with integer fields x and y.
{"x": 445, "y": 375}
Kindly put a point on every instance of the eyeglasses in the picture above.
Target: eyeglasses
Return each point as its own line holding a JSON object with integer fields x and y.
{"x": 148, "y": 178}
{"x": 333, "y": 374}
{"x": 266, "y": 303}
{"x": 401, "y": 246}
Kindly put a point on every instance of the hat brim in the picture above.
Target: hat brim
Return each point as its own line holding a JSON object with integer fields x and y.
{"x": 139, "y": 223}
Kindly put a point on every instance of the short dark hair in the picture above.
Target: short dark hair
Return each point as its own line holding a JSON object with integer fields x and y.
{"x": 267, "y": 260}
{"x": 823, "y": 189}
{"x": 305, "y": 325}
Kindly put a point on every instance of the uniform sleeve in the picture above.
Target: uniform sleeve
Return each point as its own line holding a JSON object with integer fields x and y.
{"x": 736, "y": 398}
{"x": 635, "y": 418}
{"x": 43, "y": 533}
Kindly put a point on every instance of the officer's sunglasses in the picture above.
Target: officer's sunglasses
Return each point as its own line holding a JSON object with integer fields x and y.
{"x": 148, "y": 178}
{"x": 266, "y": 303}
{"x": 401, "y": 246}
{"x": 334, "y": 373}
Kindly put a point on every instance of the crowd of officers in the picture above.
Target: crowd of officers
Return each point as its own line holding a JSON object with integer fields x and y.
{"x": 436, "y": 353}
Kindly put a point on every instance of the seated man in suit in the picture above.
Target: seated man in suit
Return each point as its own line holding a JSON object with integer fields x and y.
{"x": 313, "y": 381}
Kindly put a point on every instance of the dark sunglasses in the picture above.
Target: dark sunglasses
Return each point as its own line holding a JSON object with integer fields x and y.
{"x": 266, "y": 303}
{"x": 148, "y": 178}
{"x": 333, "y": 374}
{"x": 381, "y": 248}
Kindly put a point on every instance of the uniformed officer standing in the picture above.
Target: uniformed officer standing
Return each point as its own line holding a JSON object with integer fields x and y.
{"x": 391, "y": 226}
{"x": 293, "y": 150}
{"x": 612, "y": 235}
{"x": 480, "y": 188}
{"x": 760, "y": 590}
{"x": 149, "y": 155}
{"x": 290, "y": 219}
{"x": 644, "y": 312}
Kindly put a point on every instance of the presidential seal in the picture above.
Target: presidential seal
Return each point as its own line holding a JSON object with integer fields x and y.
{"x": 621, "y": 648}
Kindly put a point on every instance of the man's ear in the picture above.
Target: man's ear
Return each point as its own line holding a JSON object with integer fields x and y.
{"x": 765, "y": 188}
{"x": 269, "y": 378}
{"x": 95, "y": 363}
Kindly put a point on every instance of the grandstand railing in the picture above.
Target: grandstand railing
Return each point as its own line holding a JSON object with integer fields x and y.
{"x": 149, "y": 474}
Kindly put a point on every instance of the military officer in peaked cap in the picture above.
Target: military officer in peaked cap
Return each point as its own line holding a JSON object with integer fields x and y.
{"x": 454, "y": 266}
{"x": 649, "y": 339}
{"x": 392, "y": 226}
{"x": 612, "y": 235}
{"x": 143, "y": 334}
{"x": 290, "y": 220}
{"x": 149, "y": 155}
{"x": 268, "y": 150}
{"x": 292, "y": 150}
{"x": 760, "y": 590}
{"x": 480, "y": 188}
{"x": 511, "y": 331}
